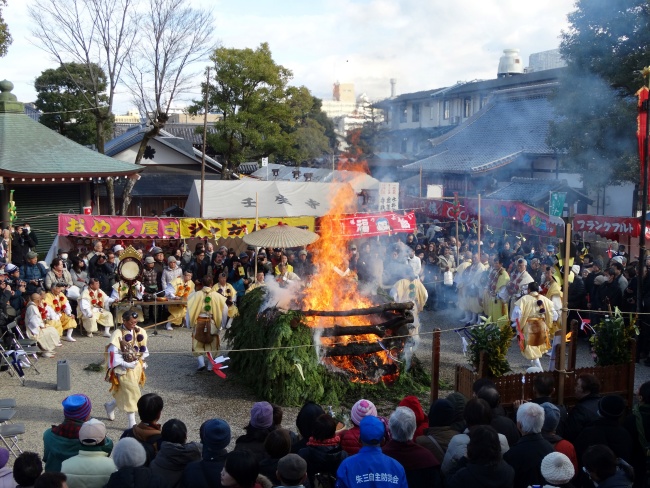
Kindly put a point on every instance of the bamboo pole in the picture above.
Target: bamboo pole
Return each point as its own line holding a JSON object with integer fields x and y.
{"x": 565, "y": 314}
{"x": 435, "y": 366}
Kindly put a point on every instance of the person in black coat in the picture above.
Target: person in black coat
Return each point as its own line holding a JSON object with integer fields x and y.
{"x": 276, "y": 446}
{"x": 22, "y": 241}
{"x": 501, "y": 423}
{"x": 483, "y": 467}
{"x": 129, "y": 457}
{"x": 206, "y": 473}
{"x": 609, "y": 295}
{"x": 585, "y": 410}
{"x": 323, "y": 452}
{"x": 260, "y": 425}
{"x": 607, "y": 430}
{"x": 527, "y": 454}
{"x": 305, "y": 422}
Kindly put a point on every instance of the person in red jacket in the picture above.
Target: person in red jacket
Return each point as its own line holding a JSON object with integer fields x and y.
{"x": 421, "y": 420}
{"x": 350, "y": 441}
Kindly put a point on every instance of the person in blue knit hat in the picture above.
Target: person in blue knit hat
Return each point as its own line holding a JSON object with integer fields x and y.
{"x": 61, "y": 442}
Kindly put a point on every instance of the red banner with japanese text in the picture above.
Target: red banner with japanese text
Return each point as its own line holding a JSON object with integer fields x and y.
{"x": 113, "y": 226}
{"x": 611, "y": 227}
{"x": 375, "y": 224}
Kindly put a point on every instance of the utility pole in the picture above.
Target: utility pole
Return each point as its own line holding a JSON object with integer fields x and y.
{"x": 205, "y": 136}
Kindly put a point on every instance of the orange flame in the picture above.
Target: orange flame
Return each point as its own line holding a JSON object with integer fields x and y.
{"x": 331, "y": 291}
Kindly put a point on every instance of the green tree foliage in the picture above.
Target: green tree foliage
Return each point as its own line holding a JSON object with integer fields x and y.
{"x": 63, "y": 95}
{"x": 5, "y": 36}
{"x": 608, "y": 40}
{"x": 262, "y": 114}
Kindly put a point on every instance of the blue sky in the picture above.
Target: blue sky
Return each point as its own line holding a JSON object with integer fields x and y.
{"x": 424, "y": 44}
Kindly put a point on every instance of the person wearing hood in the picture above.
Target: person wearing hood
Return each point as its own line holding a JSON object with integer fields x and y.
{"x": 551, "y": 422}
{"x": 305, "y": 423}
{"x": 484, "y": 466}
{"x": 422, "y": 422}
{"x": 259, "y": 426}
{"x": 171, "y": 272}
{"x": 175, "y": 453}
{"x": 206, "y": 473}
{"x": 437, "y": 436}
{"x": 130, "y": 457}
{"x": 605, "y": 470}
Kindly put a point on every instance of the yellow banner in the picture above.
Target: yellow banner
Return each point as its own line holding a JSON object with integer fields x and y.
{"x": 206, "y": 228}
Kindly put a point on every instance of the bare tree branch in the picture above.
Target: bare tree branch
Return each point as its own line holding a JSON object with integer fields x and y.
{"x": 93, "y": 33}
{"x": 173, "y": 37}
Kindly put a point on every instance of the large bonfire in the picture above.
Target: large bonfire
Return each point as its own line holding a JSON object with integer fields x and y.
{"x": 333, "y": 289}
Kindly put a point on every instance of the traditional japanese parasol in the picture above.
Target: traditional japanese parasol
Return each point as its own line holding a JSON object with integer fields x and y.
{"x": 281, "y": 236}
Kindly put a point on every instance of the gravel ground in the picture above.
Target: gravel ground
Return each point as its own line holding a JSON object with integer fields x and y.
{"x": 190, "y": 396}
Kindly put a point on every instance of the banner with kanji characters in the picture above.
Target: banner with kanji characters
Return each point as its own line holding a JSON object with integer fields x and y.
{"x": 388, "y": 196}
{"x": 608, "y": 226}
{"x": 367, "y": 225}
{"x": 216, "y": 228}
{"x": 442, "y": 210}
{"x": 494, "y": 212}
{"x": 113, "y": 226}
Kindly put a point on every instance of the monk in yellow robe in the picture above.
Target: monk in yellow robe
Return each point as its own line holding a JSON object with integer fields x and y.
{"x": 179, "y": 289}
{"x": 65, "y": 320}
{"x": 207, "y": 314}
{"x": 495, "y": 296}
{"x": 532, "y": 315}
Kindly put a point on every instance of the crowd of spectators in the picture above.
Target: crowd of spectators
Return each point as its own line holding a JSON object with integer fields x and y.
{"x": 460, "y": 443}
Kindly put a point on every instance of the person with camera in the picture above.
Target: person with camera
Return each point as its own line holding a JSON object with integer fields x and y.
{"x": 33, "y": 273}
{"x": 17, "y": 287}
{"x": 23, "y": 240}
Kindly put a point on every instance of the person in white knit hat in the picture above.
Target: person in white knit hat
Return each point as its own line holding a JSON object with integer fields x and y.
{"x": 557, "y": 469}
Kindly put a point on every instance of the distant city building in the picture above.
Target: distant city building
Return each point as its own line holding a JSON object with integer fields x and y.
{"x": 349, "y": 112}
{"x": 545, "y": 60}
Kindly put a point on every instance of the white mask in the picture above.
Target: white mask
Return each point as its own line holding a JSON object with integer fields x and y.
{"x": 64, "y": 256}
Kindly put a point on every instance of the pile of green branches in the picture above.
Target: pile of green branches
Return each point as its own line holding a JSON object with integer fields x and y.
{"x": 610, "y": 344}
{"x": 494, "y": 338}
{"x": 274, "y": 355}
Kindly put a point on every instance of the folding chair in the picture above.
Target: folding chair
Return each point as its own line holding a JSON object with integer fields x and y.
{"x": 9, "y": 436}
{"x": 10, "y": 363}
{"x": 25, "y": 346}
{"x": 7, "y": 403}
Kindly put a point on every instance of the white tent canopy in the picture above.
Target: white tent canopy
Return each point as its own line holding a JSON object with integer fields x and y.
{"x": 236, "y": 199}
{"x": 358, "y": 180}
